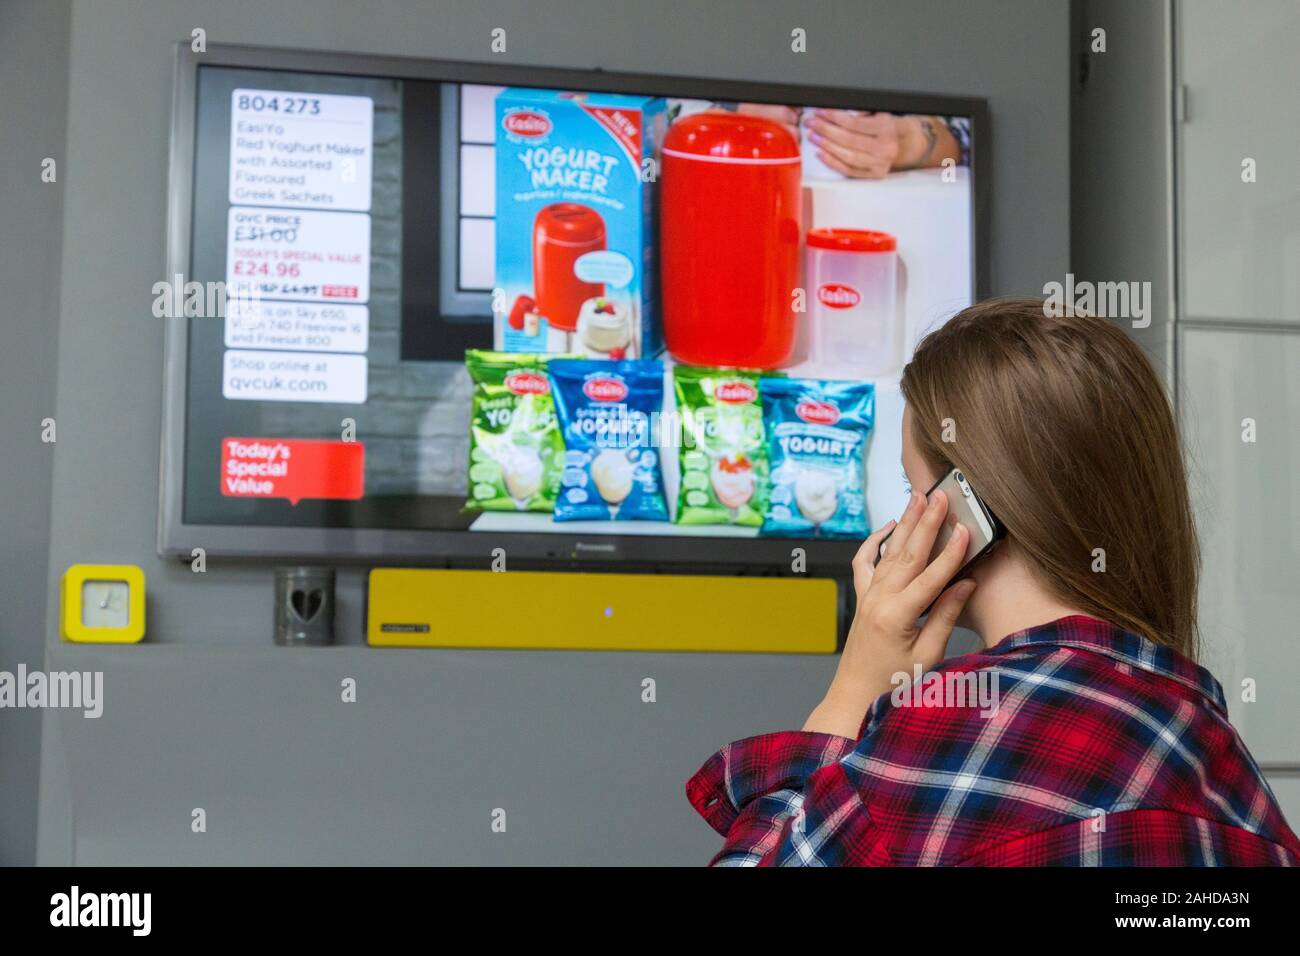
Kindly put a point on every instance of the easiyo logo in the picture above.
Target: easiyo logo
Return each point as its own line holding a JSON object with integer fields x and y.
{"x": 735, "y": 392}
{"x": 604, "y": 389}
{"x": 817, "y": 413}
{"x": 527, "y": 383}
{"x": 527, "y": 123}
{"x": 837, "y": 295}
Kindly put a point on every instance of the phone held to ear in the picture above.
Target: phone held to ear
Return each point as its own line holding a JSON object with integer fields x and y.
{"x": 964, "y": 507}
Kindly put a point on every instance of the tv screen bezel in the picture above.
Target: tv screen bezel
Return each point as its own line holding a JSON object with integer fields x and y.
{"x": 702, "y": 554}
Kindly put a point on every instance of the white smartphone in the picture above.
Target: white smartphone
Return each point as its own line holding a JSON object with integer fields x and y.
{"x": 964, "y": 507}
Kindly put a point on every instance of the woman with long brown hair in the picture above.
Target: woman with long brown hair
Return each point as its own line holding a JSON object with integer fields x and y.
{"x": 1090, "y": 735}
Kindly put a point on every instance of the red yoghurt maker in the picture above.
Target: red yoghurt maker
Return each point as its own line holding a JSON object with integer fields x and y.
{"x": 729, "y": 239}
{"x": 562, "y": 232}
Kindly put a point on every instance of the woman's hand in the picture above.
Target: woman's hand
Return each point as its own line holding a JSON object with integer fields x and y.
{"x": 871, "y": 145}
{"x": 858, "y": 145}
{"x": 885, "y": 637}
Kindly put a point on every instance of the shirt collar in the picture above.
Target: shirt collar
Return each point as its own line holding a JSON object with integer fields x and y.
{"x": 1092, "y": 634}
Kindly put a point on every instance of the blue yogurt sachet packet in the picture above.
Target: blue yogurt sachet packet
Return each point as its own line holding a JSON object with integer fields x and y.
{"x": 816, "y": 441}
{"x": 608, "y": 413}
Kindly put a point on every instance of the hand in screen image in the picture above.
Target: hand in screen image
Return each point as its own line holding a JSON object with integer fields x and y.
{"x": 867, "y": 145}
{"x": 787, "y": 116}
{"x": 871, "y": 145}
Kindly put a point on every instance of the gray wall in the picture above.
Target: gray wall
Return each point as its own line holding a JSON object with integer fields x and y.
{"x": 1149, "y": 178}
{"x": 215, "y": 717}
{"x": 1121, "y": 224}
{"x": 1238, "y": 339}
{"x": 34, "y": 78}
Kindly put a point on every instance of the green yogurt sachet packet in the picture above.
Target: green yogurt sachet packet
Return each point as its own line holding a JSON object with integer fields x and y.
{"x": 516, "y": 450}
{"x": 724, "y": 468}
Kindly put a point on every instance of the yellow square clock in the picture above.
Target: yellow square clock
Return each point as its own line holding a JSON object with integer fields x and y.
{"x": 103, "y": 604}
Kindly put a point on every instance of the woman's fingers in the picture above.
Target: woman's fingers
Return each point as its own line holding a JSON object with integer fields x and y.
{"x": 851, "y": 141}
{"x": 911, "y": 556}
{"x": 927, "y": 585}
{"x": 872, "y": 170}
{"x": 787, "y": 116}
{"x": 862, "y": 155}
{"x": 864, "y": 562}
{"x": 856, "y": 160}
{"x": 865, "y": 124}
{"x": 850, "y": 152}
{"x": 933, "y": 639}
{"x": 911, "y": 515}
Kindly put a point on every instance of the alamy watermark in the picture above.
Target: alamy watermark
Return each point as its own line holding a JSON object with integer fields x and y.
{"x": 179, "y": 299}
{"x": 620, "y": 427}
{"x": 1108, "y": 300}
{"x": 72, "y": 690}
{"x": 75, "y": 908}
{"x": 947, "y": 689}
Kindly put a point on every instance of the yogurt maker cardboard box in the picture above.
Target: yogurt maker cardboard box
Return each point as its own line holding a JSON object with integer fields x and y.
{"x": 576, "y": 255}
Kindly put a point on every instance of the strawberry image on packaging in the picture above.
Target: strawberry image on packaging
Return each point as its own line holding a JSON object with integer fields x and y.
{"x": 575, "y": 212}
{"x": 723, "y": 454}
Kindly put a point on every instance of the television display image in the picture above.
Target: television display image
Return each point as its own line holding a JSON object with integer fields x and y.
{"x": 578, "y": 315}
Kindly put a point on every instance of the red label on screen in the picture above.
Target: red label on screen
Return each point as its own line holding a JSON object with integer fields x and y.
{"x": 292, "y": 468}
{"x": 604, "y": 389}
{"x": 817, "y": 413}
{"x": 527, "y": 383}
{"x": 339, "y": 291}
{"x": 735, "y": 393}
{"x": 837, "y": 295}
{"x": 527, "y": 123}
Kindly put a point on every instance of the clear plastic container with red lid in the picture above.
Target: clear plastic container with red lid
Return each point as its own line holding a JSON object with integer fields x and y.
{"x": 854, "y": 325}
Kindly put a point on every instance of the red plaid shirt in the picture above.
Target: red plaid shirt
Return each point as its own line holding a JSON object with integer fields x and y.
{"x": 1103, "y": 749}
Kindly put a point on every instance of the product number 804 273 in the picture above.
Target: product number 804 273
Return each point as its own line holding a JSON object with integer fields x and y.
{"x": 298, "y": 105}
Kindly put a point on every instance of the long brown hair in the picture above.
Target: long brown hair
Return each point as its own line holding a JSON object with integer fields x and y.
{"x": 1065, "y": 431}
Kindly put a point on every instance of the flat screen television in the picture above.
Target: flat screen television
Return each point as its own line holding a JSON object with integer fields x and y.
{"x": 350, "y": 236}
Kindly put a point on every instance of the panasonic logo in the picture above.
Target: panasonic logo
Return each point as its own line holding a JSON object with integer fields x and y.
{"x": 603, "y": 548}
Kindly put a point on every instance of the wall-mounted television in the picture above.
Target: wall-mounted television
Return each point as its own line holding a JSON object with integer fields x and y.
{"x": 434, "y": 300}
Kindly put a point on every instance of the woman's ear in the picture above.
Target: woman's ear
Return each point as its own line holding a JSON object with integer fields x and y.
{"x": 920, "y": 473}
